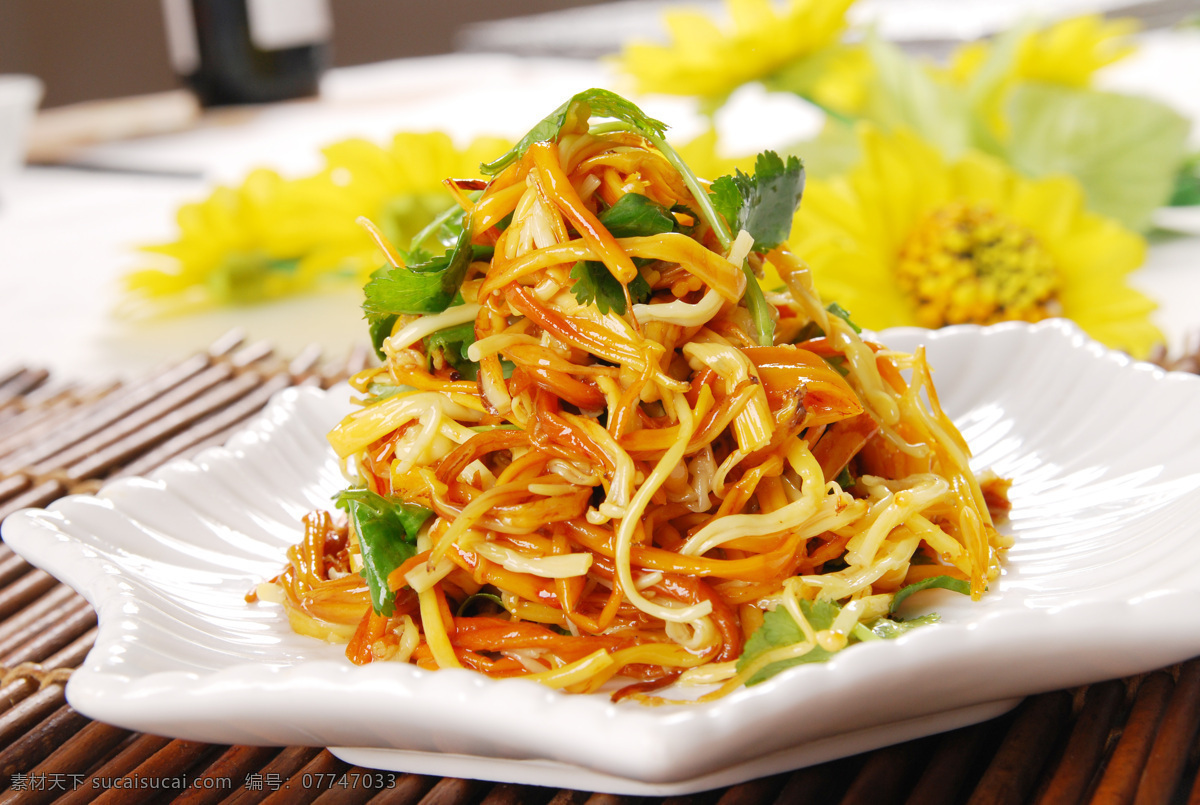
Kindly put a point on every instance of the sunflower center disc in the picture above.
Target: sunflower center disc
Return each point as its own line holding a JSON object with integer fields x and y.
{"x": 965, "y": 263}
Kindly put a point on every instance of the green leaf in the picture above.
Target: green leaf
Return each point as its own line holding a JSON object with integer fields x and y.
{"x": 765, "y": 203}
{"x": 985, "y": 90}
{"x": 690, "y": 213}
{"x": 941, "y": 582}
{"x": 602, "y": 103}
{"x": 1187, "y": 183}
{"x": 803, "y": 76}
{"x": 890, "y": 629}
{"x": 445, "y": 228}
{"x": 808, "y": 332}
{"x": 379, "y": 391}
{"x": 838, "y": 364}
{"x": 637, "y": 216}
{"x": 454, "y": 343}
{"x": 1123, "y": 149}
{"x": 904, "y": 95}
{"x": 427, "y": 287}
{"x": 244, "y": 278}
{"x": 387, "y": 536}
{"x": 594, "y": 284}
{"x": 380, "y": 327}
{"x": 779, "y": 630}
{"x": 586, "y": 104}
{"x": 726, "y": 196}
{"x": 410, "y": 220}
{"x": 634, "y": 215}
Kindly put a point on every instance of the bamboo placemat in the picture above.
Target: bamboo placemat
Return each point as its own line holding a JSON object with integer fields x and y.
{"x": 1124, "y": 741}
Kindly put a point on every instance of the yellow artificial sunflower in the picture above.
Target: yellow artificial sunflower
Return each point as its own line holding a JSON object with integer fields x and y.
{"x": 240, "y": 245}
{"x": 704, "y": 60}
{"x": 1066, "y": 54}
{"x": 1069, "y": 52}
{"x": 399, "y": 187}
{"x": 907, "y": 238}
{"x": 273, "y": 237}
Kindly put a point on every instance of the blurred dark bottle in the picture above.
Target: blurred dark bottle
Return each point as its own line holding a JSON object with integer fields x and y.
{"x": 248, "y": 51}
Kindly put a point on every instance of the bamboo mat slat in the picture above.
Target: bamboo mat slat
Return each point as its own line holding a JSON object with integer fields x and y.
{"x": 1123, "y": 742}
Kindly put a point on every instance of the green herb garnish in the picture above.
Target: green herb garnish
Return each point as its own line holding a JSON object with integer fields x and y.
{"x": 387, "y": 537}
{"x": 940, "y": 582}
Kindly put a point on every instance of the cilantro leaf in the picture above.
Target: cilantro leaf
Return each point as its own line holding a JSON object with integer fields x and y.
{"x": 380, "y": 325}
{"x": 635, "y": 216}
{"x": 594, "y": 284}
{"x": 779, "y": 630}
{"x": 762, "y": 204}
{"x": 590, "y": 102}
{"x": 811, "y": 330}
{"x": 686, "y": 229}
{"x": 446, "y": 228}
{"x": 487, "y": 598}
{"x": 942, "y": 582}
{"x": 387, "y": 535}
{"x": 379, "y": 391}
{"x": 427, "y": 287}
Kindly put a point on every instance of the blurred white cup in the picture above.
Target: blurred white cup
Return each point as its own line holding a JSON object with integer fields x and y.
{"x": 19, "y": 98}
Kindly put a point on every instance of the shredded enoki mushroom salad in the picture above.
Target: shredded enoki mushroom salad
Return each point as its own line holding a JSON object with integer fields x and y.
{"x": 598, "y": 454}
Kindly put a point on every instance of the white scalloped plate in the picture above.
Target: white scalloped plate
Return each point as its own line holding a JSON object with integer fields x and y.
{"x": 1103, "y": 582}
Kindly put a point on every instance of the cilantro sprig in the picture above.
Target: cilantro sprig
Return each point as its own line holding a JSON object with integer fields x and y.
{"x": 762, "y": 204}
